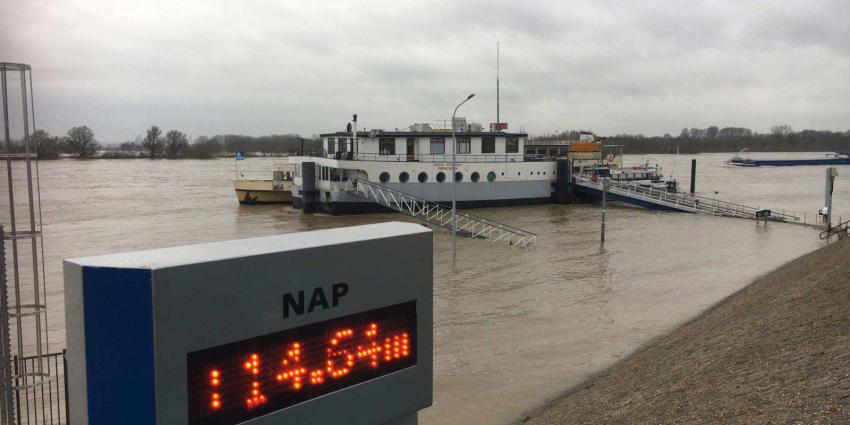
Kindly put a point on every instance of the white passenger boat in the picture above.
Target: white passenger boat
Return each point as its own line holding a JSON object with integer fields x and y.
{"x": 492, "y": 169}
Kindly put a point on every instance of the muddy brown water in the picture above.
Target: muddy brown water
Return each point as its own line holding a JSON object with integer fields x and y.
{"x": 513, "y": 328}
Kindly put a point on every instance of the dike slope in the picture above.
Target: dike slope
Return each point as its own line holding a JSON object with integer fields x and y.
{"x": 778, "y": 351}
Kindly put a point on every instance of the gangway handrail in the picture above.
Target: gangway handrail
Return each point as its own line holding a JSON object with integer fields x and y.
{"x": 838, "y": 228}
{"x": 431, "y": 211}
{"x": 680, "y": 201}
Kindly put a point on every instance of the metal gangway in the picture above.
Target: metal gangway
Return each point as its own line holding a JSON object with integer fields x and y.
{"x": 659, "y": 198}
{"x": 441, "y": 215}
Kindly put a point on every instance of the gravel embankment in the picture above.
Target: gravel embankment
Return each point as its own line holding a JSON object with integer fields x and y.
{"x": 776, "y": 352}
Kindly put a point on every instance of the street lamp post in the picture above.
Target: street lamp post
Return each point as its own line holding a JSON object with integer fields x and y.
{"x": 454, "y": 179}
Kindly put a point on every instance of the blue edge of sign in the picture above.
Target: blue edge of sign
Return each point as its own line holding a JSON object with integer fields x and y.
{"x": 119, "y": 346}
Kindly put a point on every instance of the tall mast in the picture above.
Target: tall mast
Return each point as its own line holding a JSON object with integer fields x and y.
{"x": 497, "y": 83}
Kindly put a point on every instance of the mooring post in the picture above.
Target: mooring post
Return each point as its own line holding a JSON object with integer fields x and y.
{"x": 693, "y": 175}
{"x": 604, "y": 196}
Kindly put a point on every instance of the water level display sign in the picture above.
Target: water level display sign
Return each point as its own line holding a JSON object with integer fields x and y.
{"x": 232, "y": 383}
{"x": 330, "y": 327}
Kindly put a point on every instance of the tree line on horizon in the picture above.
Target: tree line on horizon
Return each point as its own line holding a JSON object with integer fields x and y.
{"x": 781, "y": 138}
{"x": 80, "y": 142}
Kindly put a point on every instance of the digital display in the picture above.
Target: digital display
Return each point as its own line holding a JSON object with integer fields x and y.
{"x": 233, "y": 383}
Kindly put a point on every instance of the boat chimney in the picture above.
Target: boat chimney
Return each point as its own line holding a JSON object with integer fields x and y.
{"x": 354, "y": 137}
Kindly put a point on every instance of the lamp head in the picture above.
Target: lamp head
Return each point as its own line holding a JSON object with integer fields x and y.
{"x": 470, "y": 96}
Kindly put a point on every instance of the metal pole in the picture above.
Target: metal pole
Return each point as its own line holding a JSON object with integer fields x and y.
{"x": 33, "y": 241}
{"x": 604, "y": 200}
{"x": 831, "y": 172}
{"x": 454, "y": 179}
{"x": 5, "y": 339}
{"x": 12, "y": 219}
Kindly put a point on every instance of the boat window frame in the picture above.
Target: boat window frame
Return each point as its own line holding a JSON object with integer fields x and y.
{"x": 386, "y": 142}
{"x": 438, "y": 141}
{"x": 465, "y": 142}
{"x": 512, "y": 144}
{"x": 488, "y": 145}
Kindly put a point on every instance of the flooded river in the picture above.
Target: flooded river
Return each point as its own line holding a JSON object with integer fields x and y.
{"x": 513, "y": 328}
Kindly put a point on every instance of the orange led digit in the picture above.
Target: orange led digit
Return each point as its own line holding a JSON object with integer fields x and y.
{"x": 339, "y": 361}
{"x": 292, "y": 370}
{"x": 370, "y": 350}
{"x": 255, "y": 396}
{"x": 238, "y": 381}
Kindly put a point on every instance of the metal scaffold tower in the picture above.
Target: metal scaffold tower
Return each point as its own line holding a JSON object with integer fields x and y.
{"x": 24, "y": 339}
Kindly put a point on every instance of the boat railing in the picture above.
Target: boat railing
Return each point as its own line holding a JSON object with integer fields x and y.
{"x": 428, "y": 158}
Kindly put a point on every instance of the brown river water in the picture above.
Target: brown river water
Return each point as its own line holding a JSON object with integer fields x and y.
{"x": 513, "y": 328}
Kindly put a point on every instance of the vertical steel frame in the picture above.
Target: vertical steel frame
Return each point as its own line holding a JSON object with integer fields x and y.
{"x": 22, "y": 297}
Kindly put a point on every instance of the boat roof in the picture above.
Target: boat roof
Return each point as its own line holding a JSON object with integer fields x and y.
{"x": 434, "y": 133}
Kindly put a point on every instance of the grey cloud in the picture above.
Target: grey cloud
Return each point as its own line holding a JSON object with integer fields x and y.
{"x": 260, "y": 66}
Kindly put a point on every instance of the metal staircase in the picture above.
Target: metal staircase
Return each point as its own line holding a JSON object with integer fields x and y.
{"x": 658, "y": 198}
{"x": 441, "y": 215}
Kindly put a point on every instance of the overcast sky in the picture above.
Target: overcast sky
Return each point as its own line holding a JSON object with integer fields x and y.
{"x": 262, "y": 67}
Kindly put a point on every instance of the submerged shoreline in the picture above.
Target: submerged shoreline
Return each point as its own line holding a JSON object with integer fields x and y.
{"x": 775, "y": 351}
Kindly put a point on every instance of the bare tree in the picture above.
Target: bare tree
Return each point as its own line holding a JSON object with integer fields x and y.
{"x": 80, "y": 141}
{"x": 175, "y": 143}
{"x": 782, "y": 130}
{"x": 46, "y": 146}
{"x": 204, "y": 147}
{"x": 153, "y": 141}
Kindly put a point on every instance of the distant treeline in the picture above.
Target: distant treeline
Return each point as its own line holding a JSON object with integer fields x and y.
{"x": 781, "y": 138}
{"x": 80, "y": 142}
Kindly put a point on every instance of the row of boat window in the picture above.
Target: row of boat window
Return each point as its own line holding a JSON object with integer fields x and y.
{"x": 404, "y": 177}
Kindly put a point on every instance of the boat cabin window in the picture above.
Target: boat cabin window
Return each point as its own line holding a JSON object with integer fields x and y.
{"x": 342, "y": 144}
{"x": 385, "y": 177}
{"x": 438, "y": 146}
{"x": 386, "y": 146}
{"x": 330, "y": 145}
{"x": 463, "y": 145}
{"x": 279, "y": 175}
{"x": 488, "y": 145}
{"x": 512, "y": 145}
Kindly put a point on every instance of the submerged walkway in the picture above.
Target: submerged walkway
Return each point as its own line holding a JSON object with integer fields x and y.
{"x": 660, "y": 199}
{"x": 776, "y": 352}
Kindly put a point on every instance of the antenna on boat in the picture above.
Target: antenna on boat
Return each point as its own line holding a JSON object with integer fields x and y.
{"x": 497, "y": 83}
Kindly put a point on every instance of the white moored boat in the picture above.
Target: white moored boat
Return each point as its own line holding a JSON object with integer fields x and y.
{"x": 492, "y": 169}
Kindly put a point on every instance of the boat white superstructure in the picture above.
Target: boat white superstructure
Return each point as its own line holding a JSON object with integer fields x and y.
{"x": 492, "y": 168}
